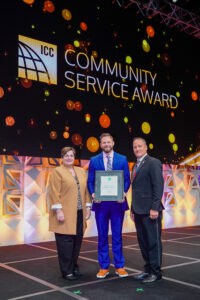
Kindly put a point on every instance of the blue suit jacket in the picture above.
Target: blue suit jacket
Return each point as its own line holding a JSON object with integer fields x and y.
{"x": 119, "y": 163}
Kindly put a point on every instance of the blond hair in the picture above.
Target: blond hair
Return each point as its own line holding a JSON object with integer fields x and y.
{"x": 105, "y": 134}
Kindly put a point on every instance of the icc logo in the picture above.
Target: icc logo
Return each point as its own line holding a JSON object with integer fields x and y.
{"x": 37, "y": 60}
{"x": 47, "y": 51}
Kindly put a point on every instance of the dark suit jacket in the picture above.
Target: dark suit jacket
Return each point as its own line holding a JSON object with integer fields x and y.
{"x": 119, "y": 163}
{"x": 147, "y": 186}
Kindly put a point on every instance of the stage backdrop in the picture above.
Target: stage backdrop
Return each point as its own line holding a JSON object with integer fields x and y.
{"x": 24, "y": 185}
{"x": 71, "y": 70}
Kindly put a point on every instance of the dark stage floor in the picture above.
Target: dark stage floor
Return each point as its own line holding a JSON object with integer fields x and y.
{"x": 32, "y": 272}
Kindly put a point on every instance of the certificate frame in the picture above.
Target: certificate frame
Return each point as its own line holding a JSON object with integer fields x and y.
{"x": 99, "y": 178}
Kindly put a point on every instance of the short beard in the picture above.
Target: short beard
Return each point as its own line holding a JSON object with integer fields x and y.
{"x": 107, "y": 151}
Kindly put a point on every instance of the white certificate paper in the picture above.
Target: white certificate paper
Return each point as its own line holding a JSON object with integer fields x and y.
{"x": 108, "y": 186}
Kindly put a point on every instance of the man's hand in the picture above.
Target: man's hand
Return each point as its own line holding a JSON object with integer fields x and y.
{"x": 132, "y": 216}
{"x": 60, "y": 215}
{"x": 153, "y": 214}
{"x": 123, "y": 200}
{"x": 93, "y": 198}
{"x": 88, "y": 214}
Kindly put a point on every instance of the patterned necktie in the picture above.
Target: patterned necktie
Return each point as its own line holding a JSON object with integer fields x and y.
{"x": 137, "y": 165}
{"x": 109, "y": 165}
{"x": 135, "y": 169}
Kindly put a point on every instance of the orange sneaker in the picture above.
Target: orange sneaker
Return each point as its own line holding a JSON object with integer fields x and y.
{"x": 102, "y": 273}
{"x": 121, "y": 272}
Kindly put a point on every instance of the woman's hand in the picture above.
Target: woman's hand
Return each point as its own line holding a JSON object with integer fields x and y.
{"x": 88, "y": 214}
{"x": 60, "y": 215}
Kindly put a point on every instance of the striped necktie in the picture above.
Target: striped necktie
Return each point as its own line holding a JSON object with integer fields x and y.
{"x": 138, "y": 164}
{"x": 109, "y": 165}
{"x": 135, "y": 169}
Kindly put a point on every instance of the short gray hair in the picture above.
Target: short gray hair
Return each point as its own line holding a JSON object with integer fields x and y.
{"x": 140, "y": 138}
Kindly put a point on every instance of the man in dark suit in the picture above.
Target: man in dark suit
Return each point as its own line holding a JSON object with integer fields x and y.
{"x": 109, "y": 210}
{"x": 146, "y": 209}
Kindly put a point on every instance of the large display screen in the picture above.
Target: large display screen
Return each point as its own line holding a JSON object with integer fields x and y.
{"x": 71, "y": 70}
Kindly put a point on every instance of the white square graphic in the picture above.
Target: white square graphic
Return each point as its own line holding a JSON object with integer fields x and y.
{"x": 37, "y": 60}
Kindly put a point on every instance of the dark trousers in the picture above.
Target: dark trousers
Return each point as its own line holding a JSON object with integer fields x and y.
{"x": 68, "y": 247}
{"x": 149, "y": 239}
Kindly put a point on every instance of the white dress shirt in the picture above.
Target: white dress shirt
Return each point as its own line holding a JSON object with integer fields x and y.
{"x": 105, "y": 159}
{"x": 140, "y": 159}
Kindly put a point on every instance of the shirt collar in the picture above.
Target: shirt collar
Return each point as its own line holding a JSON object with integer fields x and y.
{"x": 110, "y": 154}
{"x": 141, "y": 158}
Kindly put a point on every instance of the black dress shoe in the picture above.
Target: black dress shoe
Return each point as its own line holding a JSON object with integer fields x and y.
{"x": 70, "y": 277}
{"x": 77, "y": 273}
{"x": 151, "y": 278}
{"x": 141, "y": 276}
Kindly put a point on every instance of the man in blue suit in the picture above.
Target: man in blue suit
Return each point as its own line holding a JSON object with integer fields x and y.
{"x": 109, "y": 210}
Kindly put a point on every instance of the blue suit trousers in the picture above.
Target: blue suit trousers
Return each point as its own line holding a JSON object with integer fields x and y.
{"x": 113, "y": 212}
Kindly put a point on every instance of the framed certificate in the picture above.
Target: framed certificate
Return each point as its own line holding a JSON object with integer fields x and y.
{"x": 109, "y": 185}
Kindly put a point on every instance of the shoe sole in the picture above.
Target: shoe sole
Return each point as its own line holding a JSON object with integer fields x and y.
{"x": 121, "y": 275}
{"x": 101, "y": 277}
{"x": 150, "y": 282}
{"x": 139, "y": 279}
